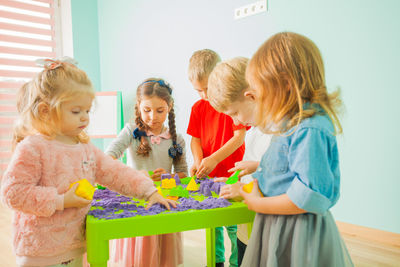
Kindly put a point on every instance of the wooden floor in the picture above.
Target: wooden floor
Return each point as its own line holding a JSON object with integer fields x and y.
{"x": 365, "y": 253}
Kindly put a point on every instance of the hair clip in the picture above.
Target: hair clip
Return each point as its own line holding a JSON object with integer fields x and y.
{"x": 175, "y": 150}
{"x": 137, "y": 133}
{"x": 161, "y": 83}
{"x": 51, "y": 64}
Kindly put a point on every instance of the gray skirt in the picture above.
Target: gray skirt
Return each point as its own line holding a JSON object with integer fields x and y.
{"x": 304, "y": 240}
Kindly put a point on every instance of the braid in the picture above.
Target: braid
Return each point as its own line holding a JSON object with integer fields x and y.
{"x": 144, "y": 148}
{"x": 172, "y": 130}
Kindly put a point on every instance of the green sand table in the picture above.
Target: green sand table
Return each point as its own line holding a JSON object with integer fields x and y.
{"x": 100, "y": 231}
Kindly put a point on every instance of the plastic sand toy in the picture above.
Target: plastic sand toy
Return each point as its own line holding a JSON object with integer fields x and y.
{"x": 179, "y": 191}
{"x": 192, "y": 186}
{"x": 84, "y": 189}
{"x": 187, "y": 179}
{"x": 248, "y": 187}
{"x": 234, "y": 178}
{"x": 168, "y": 183}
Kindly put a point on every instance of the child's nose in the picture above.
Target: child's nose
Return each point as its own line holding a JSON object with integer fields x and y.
{"x": 85, "y": 117}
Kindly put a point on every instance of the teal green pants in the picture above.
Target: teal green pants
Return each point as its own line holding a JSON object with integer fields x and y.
{"x": 220, "y": 248}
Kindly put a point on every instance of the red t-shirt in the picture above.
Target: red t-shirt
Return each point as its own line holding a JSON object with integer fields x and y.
{"x": 214, "y": 129}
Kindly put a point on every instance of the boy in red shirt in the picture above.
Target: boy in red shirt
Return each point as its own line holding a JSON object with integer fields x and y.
{"x": 217, "y": 143}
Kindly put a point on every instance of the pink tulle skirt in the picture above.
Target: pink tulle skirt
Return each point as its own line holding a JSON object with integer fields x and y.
{"x": 145, "y": 251}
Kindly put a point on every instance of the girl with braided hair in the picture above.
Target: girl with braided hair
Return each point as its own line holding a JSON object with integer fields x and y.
{"x": 151, "y": 147}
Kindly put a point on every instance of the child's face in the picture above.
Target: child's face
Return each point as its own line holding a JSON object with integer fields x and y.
{"x": 201, "y": 87}
{"x": 154, "y": 112}
{"x": 75, "y": 116}
{"x": 243, "y": 111}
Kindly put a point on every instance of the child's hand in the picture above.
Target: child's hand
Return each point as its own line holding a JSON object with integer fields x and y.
{"x": 157, "y": 174}
{"x": 71, "y": 200}
{"x": 247, "y": 167}
{"x": 145, "y": 173}
{"x": 193, "y": 169}
{"x": 157, "y": 198}
{"x": 231, "y": 191}
{"x": 251, "y": 199}
{"x": 220, "y": 179}
{"x": 206, "y": 166}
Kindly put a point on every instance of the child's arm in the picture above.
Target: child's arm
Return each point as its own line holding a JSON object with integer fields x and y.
{"x": 197, "y": 152}
{"x": 121, "y": 178}
{"x": 118, "y": 146}
{"x": 20, "y": 187}
{"x": 209, "y": 163}
{"x": 281, "y": 204}
{"x": 127, "y": 181}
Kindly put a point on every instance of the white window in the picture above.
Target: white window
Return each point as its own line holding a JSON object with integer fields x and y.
{"x": 29, "y": 29}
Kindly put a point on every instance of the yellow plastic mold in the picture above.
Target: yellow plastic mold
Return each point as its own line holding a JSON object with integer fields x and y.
{"x": 84, "y": 189}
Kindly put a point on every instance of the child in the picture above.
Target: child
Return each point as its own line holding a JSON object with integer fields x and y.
{"x": 216, "y": 142}
{"x": 52, "y": 151}
{"x": 229, "y": 76}
{"x": 151, "y": 146}
{"x": 257, "y": 143}
{"x": 299, "y": 174}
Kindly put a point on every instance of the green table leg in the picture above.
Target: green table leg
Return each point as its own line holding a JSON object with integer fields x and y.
{"x": 97, "y": 255}
{"x": 210, "y": 243}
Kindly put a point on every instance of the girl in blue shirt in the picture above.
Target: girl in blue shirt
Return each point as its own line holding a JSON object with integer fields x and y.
{"x": 298, "y": 177}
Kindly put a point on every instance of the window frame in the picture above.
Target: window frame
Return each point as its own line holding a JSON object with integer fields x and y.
{"x": 62, "y": 26}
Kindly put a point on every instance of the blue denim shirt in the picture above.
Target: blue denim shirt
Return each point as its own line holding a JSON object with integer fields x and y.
{"x": 304, "y": 165}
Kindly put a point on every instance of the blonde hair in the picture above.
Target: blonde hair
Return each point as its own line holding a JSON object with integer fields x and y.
{"x": 201, "y": 63}
{"x": 227, "y": 83}
{"x": 51, "y": 87}
{"x": 288, "y": 72}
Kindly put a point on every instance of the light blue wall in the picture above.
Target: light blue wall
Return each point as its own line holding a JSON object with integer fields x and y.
{"x": 85, "y": 32}
{"x": 359, "y": 41}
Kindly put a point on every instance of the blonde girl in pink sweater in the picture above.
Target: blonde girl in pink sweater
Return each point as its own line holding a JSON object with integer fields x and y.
{"x": 51, "y": 152}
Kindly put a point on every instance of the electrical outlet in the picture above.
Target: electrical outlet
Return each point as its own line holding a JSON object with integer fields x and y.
{"x": 249, "y": 10}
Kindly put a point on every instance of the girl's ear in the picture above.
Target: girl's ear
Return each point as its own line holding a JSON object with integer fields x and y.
{"x": 250, "y": 94}
{"x": 44, "y": 110}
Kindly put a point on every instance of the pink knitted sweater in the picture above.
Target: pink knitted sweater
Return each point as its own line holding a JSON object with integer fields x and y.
{"x": 38, "y": 175}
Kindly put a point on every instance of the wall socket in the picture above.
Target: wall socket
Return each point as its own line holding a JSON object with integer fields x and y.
{"x": 249, "y": 10}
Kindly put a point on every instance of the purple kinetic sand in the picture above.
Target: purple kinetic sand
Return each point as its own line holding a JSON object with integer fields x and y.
{"x": 187, "y": 204}
{"x": 216, "y": 187}
{"x": 109, "y": 205}
{"x": 207, "y": 191}
{"x": 212, "y": 203}
{"x": 205, "y": 184}
{"x": 177, "y": 179}
{"x": 165, "y": 176}
{"x": 99, "y": 194}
